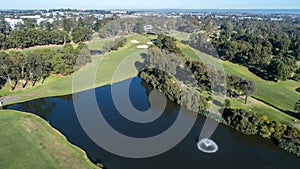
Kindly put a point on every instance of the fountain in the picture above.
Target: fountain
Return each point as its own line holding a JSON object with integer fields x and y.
{"x": 207, "y": 145}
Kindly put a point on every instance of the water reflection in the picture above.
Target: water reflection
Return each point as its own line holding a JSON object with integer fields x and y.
{"x": 41, "y": 107}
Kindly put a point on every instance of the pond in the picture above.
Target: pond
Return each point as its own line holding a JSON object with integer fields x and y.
{"x": 236, "y": 150}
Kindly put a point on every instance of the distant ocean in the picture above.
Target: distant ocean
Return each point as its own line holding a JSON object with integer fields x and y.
{"x": 251, "y": 11}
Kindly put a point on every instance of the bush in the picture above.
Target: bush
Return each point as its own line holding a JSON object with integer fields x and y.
{"x": 227, "y": 103}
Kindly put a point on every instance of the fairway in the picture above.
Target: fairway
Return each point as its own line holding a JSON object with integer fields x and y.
{"x": 282, "y": 94}
{"x": 25, "y": 137}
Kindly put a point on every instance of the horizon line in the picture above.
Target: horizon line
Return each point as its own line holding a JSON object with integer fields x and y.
{"x": 152, "y": 8}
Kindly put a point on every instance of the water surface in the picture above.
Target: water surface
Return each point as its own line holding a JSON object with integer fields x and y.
{"x": 236, "y": 150}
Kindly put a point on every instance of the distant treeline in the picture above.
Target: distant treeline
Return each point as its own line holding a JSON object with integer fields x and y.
{"x": 59, "y": 32}
{"x": 33, "y": 37}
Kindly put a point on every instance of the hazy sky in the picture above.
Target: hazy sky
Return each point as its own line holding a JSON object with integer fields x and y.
{"x": 150, "y": 4}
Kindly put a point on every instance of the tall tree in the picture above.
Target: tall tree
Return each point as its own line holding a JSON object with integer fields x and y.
{"x": 6, "y": 71}
{"x": 2, "y": 41}
{"x": 278, "y": 70}
{"x": 20, "y": 62}
{"x": 29, "y": 23}
{"x": 4, "y": 27}
{"x": 249, "y": 88}
{"x": 81, "y": 34}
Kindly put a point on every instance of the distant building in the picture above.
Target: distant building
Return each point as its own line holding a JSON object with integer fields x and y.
{"x": 50, "y": 20}
{"x": 13, "y": 22}
{"x": 48, "y": 14}
{"x": 100, "y": 17}
{"x": 109, "y": 15}
{"x": 119, "y": 12}
{"x": 31, "y": 17}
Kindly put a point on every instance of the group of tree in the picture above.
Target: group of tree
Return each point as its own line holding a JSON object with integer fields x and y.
{"x": 81, "y": 34}
{"x": 235, "y": 85}
{"x": 167, "y": 70}
{"x": 36, "y": 65}
{"x": 157, "y": 25}
{"x": 28, "y": 33}
{"x": 33, "y": 37}
{"x": 168, "y": 43}
{"x": 115, "y": 45}
{"x": 269, "y": 49}
{"x": 251, "y": 123}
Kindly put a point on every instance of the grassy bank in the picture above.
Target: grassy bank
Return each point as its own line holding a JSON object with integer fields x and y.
{"x": 27, "y": 141}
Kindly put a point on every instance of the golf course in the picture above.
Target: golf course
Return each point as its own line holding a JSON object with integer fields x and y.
{"x": 50, "y": 149}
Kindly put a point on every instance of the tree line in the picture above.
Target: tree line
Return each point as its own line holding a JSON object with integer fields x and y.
{"x": 36, "y": 65}
{"x": 269, "y": 49}
{"x": 287, "y": 137}
{"x": 33, "y": 37}
{"x": 59, "y": 32}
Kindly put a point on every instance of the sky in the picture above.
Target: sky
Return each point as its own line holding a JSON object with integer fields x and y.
{"x": 150, "y": 4}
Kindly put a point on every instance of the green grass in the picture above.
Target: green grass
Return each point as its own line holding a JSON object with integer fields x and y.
{"x": 263, "y": 109}
{"x": 97, "y": 44}
{"x": 179, "y": 35}
{"x": 27, "y": 141}
{"x": 37, "y": 47}
{"x": 282, "y": 94}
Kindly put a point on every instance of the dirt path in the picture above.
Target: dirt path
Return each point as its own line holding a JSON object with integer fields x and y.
{"x": 7, "y": 99}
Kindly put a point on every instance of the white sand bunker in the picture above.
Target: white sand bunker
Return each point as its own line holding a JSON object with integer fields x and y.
{"x": 134, "y": 41}
{"x": 150, "y": 43}
{"x": 142, "y": 47}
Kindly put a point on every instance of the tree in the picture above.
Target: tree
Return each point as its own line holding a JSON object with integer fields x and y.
{"x": 83, "y": 55}
{"x": 227, "y": 103}
{"x": 29, "y": 23}
{"x": 20, "y": 60}
{"x": 81, "y": 34}
{"x": 38, "y": 66}
{"x": 168, "y": 43}
{"x": 59, "y": 37}
{"x": 278, "y": 70}
{"x": 67, "y": 24}
{"x": 249, "y": 88}
{"x": 6, "y": 71}
{"x": 297, "y": 106}
{"x": 4, "y": 27}
{"x": 120, "y": 42}
{"x": 2, "y": 41}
